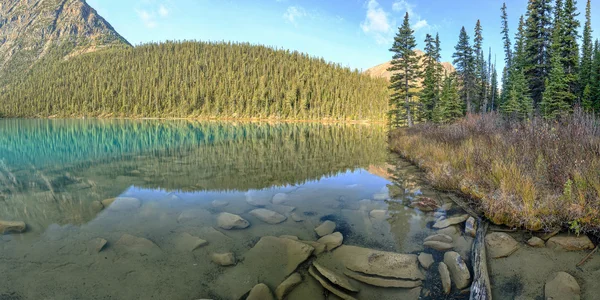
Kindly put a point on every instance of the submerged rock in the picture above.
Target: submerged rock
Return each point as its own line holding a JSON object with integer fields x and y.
{"x": 328, "y": 286}
{"x": 440, "y": 237}
{"x": 297, "y": 217}
{"x": 257, "y": 200}
{"x": 378, "y": 214}
{"x": 470, "y": 227}
{"x": 425, "y": 204}
{"x": 458, "y": 269}
{"x": 231, "y": 221}
{"x": 562, "y": 286}
{"x": 536, "y": 242}
{"x": 260, "y": 292}
{"x": 281, "y": 252}
{"x": 219, "y": 203}
{"x": 288, "y": 285}
{"x": 425, "y": 259}
{"x": 331, "y": 241}
{"x": 500, "y": 244}
{"x": 328, "y": 227}
{"x": 224, "y": 259}
{"x": 279, "y": 198}
{"x": 187, "y": 242}
{"x": 445, "y": 277}
{"x": 12, "y": 226}
{"x": 335, "y": 278}
{"x": 450, "y": 221}
{"x": 97, "y": 206}
{"x": 196, "y": 214}
{"x": 319, "y": 248}
{"x": 96, "y": 245}
{"x": 291, "y": 237}
{"x": 439, "y": 246}
{"x": 384, "y": 282}
{"x": 268, "y": 216}
{"x": 380, "y": 263}
{"x": 570, "y": 243}
{"x": 137, "y": 245}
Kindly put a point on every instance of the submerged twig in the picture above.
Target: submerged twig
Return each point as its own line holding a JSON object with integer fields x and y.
{"x": 481, "y": 288}
{"x": 587, "y": 257}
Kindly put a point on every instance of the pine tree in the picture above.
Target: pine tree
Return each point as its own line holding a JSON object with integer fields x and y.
{"x": 537, "y": 33}
{"x": 494, "y": 96}
{"x": 557, "y": 97}
{"x": 518, "y": 104}
{"x": 465, "y": 68}
{"x": 595, "y": 81}
{"x": 507, "y": 51}
{"x": 450, "y": 106}
{"x": 587, "y": 49}
{"x": 566, "y": 31}
{"x": 480, "y": 67}
{"x": 405, "y": 66}
{"x": 431, "y": 81}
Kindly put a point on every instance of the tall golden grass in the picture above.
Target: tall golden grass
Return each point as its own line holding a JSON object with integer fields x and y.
{"x": 533, "y": 174}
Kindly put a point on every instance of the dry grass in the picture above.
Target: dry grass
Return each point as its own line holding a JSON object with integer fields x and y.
{"x": 534, "y": 174}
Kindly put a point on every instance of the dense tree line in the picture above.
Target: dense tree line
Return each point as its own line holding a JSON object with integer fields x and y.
{"x": 197, "y": 79}
{"x": 546, "y": 71}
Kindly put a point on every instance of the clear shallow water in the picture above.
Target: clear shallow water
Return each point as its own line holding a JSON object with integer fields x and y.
{"x": 54, "y": 175}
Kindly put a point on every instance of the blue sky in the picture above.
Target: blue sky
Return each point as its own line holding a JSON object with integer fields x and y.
{"x": 353, "y": 33}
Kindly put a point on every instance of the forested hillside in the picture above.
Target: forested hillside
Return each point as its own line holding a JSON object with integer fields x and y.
{"x": 197, "y": 79}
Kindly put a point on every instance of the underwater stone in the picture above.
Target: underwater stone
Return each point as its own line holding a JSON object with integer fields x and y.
{"x": 500, "y": 244}
{"x": 223, "y": 259}
{"x": 12, "y": 226}
{"x": 440, "y": 237}
{"x": 188, "y": 242}
{"x": 268, "y": 216}
{"x": 326, "y": 228}
{"x": 458, "y": 269}
{"x": 380, "y": 263}
{"x": 562, "y": 286}
{"x": 426, "y": 260}
{"x": 328, "y": 286}
{"x": 570, "y": 243}
{"x": 96, "y": 245}
{"x": 331, "y": 241}
{"x": 445, "y": 277}
{"x": 335, "y": 278}
{"x": 260, "y": 292}
{"x": 219, "y": 203}
{"x": 450, "y": 221}
{"x": 288, "y": 285}
{"x": 231, "y": 221}
{"x": 384, "y": 282}
{"x": 279, "y": 198}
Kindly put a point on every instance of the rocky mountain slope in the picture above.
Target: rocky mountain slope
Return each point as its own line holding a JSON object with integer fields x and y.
{"x": 380, "y": 71}
{"x": 31, "y": 30}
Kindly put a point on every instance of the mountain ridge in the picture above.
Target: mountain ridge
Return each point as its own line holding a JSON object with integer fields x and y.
{"x": 31, "y": 30}
{"x": 381, "y": 70}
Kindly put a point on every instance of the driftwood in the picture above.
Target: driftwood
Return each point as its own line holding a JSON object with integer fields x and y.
{"x": 587, "y": 257}
{"x": 481, "y": 288}
{"x": 465, "y": 206}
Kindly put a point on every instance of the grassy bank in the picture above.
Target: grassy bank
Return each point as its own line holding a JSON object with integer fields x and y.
{"x": 535, "y": 174}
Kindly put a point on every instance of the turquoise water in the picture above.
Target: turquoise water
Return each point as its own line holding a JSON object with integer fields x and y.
{"x": 172, "y": 181}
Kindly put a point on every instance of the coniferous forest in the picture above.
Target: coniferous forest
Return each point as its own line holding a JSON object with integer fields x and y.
{"x": 196, "y": 79}
{"x": 552, "y": 66}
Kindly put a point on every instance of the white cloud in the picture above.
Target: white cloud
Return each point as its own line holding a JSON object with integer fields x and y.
{"x": 376, "y": 20}
{"x": 147, "y": 18}
{"x": 294, "y": 13}
{"x": 419, "y": 23}
{"x": 163, "y": 11}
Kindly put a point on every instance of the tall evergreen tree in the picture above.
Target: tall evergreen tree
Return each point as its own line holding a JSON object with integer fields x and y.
{"x": 538, "y": 35}
{"x": 494, "y": 96}
{"x": 480, "y": 67}
{"x": 431, "y": 81}
{"x": 465, "y": 68}
{"x": 587, "y": 49}
{"x": 405, "y": 65}
{"x": 507, "y": 50}
{"x": 595, "y": 81}
{"x": 566, "y": 28}
{"x": 557, "y": 97}
{"x": 450, "y": 107}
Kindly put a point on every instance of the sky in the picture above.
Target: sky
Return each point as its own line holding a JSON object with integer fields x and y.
{"x": 352, "y": 33}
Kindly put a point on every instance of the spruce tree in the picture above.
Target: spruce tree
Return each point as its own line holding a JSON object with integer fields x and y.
{"x": 465, "y": 68}
{"x": 405, "y": 66}
{"x": 480, "y": 67}
{"x": 431, "y": 81}
{"x": 595, "y": 81}
{"x": 450, "y": 106}
{"x": 494, "y": 96}
{"x": 557, "y": 97}
{"x": 507, "y": 50}
{"x": 538, "y": 35}
{"x": 566, "y": 29}
{"x": 587, "y": 49}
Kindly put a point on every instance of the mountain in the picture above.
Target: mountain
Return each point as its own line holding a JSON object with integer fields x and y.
{"x": 381, "y": 71}
{"x": 31, "y": 30}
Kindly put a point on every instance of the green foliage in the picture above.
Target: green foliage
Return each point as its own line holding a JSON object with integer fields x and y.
{"x": 518, "y": 103}
{"x": 405, "y": 64}
{"x": 430, "y": 92}
{"x": 197, "y": 79}
{"x": 450, "y": 106}
{"x": 557, "y": 97}
{"x": 595, "y": 81}
{"x": 587, "y": 51}
{"x": 536, "y": 33}
{"x": 465, "y": 68}
{"x": 565, "y": 43}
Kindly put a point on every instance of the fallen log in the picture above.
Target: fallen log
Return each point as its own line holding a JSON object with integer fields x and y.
{"x": 481, "y": 288}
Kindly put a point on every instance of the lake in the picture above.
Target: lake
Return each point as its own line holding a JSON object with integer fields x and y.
{"x": 123, "y": 209}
